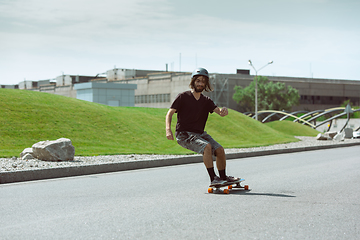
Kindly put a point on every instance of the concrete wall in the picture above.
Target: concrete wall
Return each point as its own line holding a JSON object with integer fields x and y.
{"x": 27, "y": 84}
{"x": 66, "y": 91}
{"x": 33, "y": 84}
{"x": 63, "y": 80}
{"x": 159, "y": 87}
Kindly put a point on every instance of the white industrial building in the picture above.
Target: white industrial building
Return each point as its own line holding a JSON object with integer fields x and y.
{"x": 159, "y": 88}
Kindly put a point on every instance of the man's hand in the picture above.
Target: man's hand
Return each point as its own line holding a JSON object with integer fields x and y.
{"x": 169, "y": 134}
{"x": 222, "y": 112}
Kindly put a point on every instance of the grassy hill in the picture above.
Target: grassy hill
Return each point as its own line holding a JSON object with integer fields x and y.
{"x": 28, "y": 117}
{"x": 291, "y": 128}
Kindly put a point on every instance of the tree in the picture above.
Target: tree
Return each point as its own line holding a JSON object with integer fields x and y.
{"x": 271, "y": 96}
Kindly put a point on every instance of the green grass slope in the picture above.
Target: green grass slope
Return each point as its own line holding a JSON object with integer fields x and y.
{"x": 291, "y": 128}
{"x": 28, "y": 117}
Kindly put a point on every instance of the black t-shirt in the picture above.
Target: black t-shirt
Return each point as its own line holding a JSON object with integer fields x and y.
{"x": 192, "y": 114}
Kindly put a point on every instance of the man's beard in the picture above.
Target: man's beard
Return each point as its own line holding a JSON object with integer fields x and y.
{"x": 199, "y": 90}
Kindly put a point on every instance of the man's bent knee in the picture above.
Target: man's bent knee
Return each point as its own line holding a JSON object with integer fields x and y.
{"x": 207, "y": 148}
{"x": 219, "y": 151}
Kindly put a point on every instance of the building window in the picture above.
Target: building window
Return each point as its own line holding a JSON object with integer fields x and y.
{"x": 155, "y": 98}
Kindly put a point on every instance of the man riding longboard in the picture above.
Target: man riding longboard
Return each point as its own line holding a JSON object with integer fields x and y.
{"x": 193, "y": 108}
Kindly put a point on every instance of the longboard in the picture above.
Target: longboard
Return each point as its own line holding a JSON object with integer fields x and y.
{"x": 217, "y": 188}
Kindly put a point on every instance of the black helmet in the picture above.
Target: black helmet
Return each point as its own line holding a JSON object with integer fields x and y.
{"x": 200, "y": 71}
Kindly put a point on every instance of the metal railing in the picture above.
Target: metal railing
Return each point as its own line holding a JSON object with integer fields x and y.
{"x": 308, "y": 117}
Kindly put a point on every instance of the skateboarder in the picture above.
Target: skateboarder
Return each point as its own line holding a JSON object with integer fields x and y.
{"x": 193, "y": 108}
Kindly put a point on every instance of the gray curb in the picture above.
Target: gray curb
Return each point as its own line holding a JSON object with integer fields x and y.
{"x": 21, "y": 176}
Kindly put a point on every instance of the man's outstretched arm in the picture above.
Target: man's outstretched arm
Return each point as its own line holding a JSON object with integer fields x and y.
{"x": 169, "y": 134}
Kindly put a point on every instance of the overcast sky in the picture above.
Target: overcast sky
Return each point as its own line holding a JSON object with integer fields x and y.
{"x": 41, "y": 39}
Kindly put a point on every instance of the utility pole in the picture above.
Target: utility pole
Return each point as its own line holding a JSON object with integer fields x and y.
{"x": 256, "y": 86}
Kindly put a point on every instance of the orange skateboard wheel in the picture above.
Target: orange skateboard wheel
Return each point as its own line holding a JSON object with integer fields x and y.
{"x": 226, "y": 191}
{"x": 230, "y": 187}
{"x": 246, "y": 187}
{"x": 210, "y": 190}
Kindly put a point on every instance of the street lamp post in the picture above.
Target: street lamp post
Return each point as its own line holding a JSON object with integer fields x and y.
{"x": 256, "y": 87}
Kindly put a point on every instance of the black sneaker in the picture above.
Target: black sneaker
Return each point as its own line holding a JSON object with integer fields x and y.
{"x": 217, "y": 181}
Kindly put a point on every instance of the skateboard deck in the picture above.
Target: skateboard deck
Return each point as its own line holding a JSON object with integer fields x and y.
{"x": 229, "y": 186}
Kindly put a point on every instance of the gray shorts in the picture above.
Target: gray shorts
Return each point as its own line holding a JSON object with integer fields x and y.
{"x": 196, "y": 142}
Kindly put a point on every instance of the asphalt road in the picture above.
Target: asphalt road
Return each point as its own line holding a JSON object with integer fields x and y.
{"x": 306, "y": 195}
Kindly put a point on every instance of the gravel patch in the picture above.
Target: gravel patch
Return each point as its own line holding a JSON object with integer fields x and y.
{"x": 16, "y": 164}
